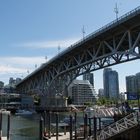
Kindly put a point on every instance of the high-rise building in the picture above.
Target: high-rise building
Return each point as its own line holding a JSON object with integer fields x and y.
{"x": 81, "y": 91}
{"x": 101, "y": 92}
{"x": 1, "y": 84}
{"x": 138, "y": 82}
{"x": 13, "y": 82}
{"x": 133, "y": 83}
{"x": 90, "y": 77}
{"x": 111, "y": 83}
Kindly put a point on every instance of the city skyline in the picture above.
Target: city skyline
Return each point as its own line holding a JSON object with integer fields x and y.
{"x": 33, "y": 32}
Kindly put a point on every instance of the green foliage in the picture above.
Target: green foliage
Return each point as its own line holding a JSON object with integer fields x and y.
{"x": 106, "y": 101}
{"x": 88, "y": 104}
{"x": 133, "y": 102}
{"x": 36, "y": 100}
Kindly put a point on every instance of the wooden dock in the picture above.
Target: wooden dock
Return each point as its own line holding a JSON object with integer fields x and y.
{"x": 4, "y": 138}
{"x": 61, "y": 136}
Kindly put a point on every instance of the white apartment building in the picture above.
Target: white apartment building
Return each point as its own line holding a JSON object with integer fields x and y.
{"x": 81, "y": 91}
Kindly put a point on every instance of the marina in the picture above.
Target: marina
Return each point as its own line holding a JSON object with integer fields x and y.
{"x": 69, "y": 126}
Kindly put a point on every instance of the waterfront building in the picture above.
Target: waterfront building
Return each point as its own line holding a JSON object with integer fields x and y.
{"x": 13, "y": 82}
{"x": 10, "y": 87}
{"x": 1, "y": 87}
{"x": 18, "y": 80}
{"x": 1, "y": 84}
{"x": 111, "y": 83}
{"x": 90, "y": 77}
{"x": 27, "y": 101}
{"x": 81, "y": 91}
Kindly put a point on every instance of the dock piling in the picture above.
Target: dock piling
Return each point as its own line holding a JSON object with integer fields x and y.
{"x": 49, "y": 124}
{"x": 0, "y": 125}
{"x": 41, "y": 129}
{"x": 95, "y": 128}
{"x": 57, "y": 131}
{"x": 71, "y": 127}
{"x": 8, "y": 127}
{"x": 85, "y": 126}
{"x": 75, "y": 121}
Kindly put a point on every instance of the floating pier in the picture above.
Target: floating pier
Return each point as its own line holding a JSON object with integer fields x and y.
{"x": 61, "y": 136}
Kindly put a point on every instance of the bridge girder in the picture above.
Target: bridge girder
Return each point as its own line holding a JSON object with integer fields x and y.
{"x": 103, "y": 53}
{"x": 116, "y": 45}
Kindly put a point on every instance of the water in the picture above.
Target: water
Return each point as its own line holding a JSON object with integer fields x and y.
{"x": 22, "y": 128}
{"x": 27, "y": 128}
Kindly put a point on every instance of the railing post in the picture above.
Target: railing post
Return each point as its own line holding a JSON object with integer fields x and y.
{"x": 85, "y": 126}
{"x": 70, "y": 127}
{"x": 57, "y": 131}
{"x": 45, "y": 122}
{"x": 89, "y": 126}
{"x": 49, "y": 124}
{"x": 75, "y": 120}
{"x": 100, "y": 127}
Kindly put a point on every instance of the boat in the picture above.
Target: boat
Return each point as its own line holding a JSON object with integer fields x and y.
{"x": 23, "y": 112}
{"x": 67, "y": 120}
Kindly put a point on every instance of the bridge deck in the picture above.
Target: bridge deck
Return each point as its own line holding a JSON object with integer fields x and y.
{"x": 129, "y": 19}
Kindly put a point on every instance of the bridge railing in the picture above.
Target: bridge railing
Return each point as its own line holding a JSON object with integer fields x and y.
{"x": 97, "y": 32}
{"x": 118, "y": 127}
{"x": 88, "y": 37}
{"x": 114, "y": 22}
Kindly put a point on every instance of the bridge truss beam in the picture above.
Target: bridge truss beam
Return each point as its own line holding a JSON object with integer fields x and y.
{"x": 114, "y": 46}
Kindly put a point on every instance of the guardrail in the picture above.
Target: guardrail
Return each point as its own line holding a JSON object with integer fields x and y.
{"x": 97, "y": 32}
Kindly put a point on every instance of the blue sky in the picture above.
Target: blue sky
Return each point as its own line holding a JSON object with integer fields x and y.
{"x": 30, "y": 30}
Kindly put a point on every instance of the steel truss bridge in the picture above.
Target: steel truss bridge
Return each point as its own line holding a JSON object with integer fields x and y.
{"x": 115, "y": 43}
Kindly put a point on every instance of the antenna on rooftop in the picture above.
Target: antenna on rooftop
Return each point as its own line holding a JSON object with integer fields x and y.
{"x": 116, "y": 10}
{"x": 83, "y": 32}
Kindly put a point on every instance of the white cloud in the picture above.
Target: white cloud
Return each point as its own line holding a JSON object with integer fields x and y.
{"x": 49, "y": 44}
{"x": 18, "y": 66}
{"x": 22, "y": 60}
{"x": 9, "y": 69}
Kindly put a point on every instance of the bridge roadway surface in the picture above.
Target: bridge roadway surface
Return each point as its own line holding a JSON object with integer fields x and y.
{"x": 115, "y": 43}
